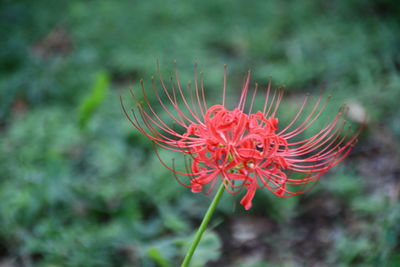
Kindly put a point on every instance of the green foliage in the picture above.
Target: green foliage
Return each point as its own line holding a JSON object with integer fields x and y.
{"x": 95, "y": 98}
{"x": 100, "y": 197}
{"x": 156, "y": 256}
{"x": 208, "y": 249}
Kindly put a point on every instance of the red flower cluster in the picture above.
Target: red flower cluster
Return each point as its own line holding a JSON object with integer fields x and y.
{"x": 243, "y": 150}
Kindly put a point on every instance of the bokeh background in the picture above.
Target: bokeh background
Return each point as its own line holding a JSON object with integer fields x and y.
{"x": 79, "y": 186}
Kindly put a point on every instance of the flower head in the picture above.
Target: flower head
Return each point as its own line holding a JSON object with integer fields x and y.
{"x": 242, "y": 149}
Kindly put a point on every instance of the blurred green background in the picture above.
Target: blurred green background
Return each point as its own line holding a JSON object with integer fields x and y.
{"x": 79, "y": 186}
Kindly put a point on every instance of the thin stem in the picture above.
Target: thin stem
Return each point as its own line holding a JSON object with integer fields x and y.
{"x": 203, "y": 225}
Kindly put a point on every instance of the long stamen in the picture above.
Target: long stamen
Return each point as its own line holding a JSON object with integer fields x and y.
{"x": 252, "y": 99}
{"x": 224, "y": 92}
{"x": 243, "y": 95}
{"x": 197, "y": 90}
{"x": 267, "y": 97}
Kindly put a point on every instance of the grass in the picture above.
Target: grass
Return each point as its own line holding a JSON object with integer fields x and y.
{"x": 80, "y": 187}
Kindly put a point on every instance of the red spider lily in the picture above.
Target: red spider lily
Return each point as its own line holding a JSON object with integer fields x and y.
{"x": 241, "y": 149}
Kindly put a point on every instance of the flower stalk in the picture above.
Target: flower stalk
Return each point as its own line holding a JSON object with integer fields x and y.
{"x": 203, "y": 225}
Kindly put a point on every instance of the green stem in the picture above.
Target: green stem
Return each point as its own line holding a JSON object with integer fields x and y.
{"x": 203, "y": 225}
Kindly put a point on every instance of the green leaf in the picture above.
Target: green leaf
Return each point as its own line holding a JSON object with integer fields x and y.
{"x": 95, "y": 98}
{"x": 157, "y": 257}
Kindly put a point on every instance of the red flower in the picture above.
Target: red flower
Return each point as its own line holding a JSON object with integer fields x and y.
{"x": 242, "y": 150}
